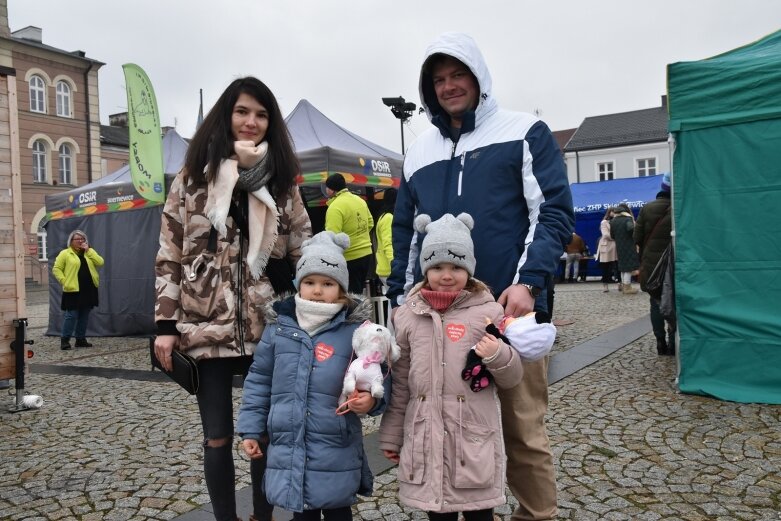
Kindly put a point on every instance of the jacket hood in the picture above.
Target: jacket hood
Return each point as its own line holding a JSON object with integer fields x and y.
{"x": 358, "y": 310}
{"x": 463, "y": 48}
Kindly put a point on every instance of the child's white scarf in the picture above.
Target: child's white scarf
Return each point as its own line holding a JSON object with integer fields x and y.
{"x": 312, "y": 315}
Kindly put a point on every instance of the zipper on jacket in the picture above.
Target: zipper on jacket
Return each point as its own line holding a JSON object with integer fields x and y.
{"x": 459, "y": 439}
{"x": 239, "y": 296}
{"x": 461, "y": 172}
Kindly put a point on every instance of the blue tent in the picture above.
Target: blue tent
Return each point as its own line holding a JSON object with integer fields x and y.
{"x": 591, "y": 201}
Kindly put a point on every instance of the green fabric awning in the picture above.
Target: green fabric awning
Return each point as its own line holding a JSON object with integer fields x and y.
{"x": 725, "y": 114}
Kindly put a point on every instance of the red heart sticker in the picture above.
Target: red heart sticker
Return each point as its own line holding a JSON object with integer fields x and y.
{"x": 323, "y": 351}
{"x": 455, "y": 332}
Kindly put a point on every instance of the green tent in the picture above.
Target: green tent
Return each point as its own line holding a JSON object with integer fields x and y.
{"x": 725, "y": 116}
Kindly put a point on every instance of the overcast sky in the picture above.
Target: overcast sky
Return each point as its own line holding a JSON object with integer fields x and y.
{"x": 567, "y": 59}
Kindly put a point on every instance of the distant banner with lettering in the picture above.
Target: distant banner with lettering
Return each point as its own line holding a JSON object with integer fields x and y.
{"x": 146, "y": 146}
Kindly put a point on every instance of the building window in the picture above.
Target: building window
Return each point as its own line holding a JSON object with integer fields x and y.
{"x": 42, "y": 256}
{"x": 63, "y": 99}
{"x": 42, "y": 253}
{"x": 66, "y": 165}
{"x": 37, "y": 94}
{"x": 39, "y": 162}
{"x": 605, "y": 171}
{"x": 646, "y": 167}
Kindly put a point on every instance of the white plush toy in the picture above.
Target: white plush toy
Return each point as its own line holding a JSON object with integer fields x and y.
{"x": 373, "y": 344}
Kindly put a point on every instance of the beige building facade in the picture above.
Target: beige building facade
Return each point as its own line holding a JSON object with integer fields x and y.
{"x": 12, "y": 288}
{"x": 58, "y": 129}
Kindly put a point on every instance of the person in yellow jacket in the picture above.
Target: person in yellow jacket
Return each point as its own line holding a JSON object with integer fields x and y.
{"x": 350, "y": 214}
{"x": 76, "y": 269}
{"x": 384, "y": 253}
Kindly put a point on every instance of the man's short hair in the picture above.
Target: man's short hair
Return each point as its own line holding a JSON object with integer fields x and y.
{"x": 440, "y": 58}
{"x": 336, "y": 182}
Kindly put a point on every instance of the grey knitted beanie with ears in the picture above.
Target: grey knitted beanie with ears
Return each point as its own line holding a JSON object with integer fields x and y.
{"x": 323, "y": 254}
{"x": 448, "y": 239}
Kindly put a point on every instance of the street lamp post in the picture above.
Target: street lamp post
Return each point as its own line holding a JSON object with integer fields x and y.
{"x": 403, "y": 110}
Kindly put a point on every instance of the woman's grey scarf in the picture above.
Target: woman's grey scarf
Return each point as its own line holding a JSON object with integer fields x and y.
{"x": 255, "y": 177}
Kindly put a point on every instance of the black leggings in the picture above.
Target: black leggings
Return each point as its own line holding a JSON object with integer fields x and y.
{"x": 608, "y": 268}
{"x": 486, "y": 514}
{"x": 215, "y": 403}
{"x": 358, "y": 270}
{"x": 329, "y": 514}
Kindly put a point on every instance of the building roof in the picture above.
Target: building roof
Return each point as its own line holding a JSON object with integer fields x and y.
{"x": 562, "y": 137}
{"x": 26, "y": 36}
{"x": 623, "y": 129}
{"x": 117, "y": 136}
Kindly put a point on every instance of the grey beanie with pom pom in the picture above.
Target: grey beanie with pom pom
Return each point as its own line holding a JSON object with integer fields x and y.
{"x": 448, "y": 239}
{"x": 323, "y": 254}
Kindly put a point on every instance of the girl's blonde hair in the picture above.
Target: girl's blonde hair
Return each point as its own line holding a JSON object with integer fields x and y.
{"x": 343, "y": 298}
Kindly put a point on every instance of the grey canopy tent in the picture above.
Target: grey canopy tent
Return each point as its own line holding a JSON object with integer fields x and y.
{"x": 325, "y": 148}
{"x": 124, "y": 229}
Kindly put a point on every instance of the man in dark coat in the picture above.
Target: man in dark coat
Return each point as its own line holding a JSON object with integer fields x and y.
{"x": 652, "y": 236}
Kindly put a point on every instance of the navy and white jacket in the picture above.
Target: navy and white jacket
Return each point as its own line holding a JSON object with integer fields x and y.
{"x": 505, "y": 169}
{"x": 315, "y": 459}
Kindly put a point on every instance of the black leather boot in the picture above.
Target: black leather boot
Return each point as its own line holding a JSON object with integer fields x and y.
{"x": 661, "y": 346}
{"x": 82, "y": 342}
{"x": 65, "y": 343}
{"x": 671, "y": 347}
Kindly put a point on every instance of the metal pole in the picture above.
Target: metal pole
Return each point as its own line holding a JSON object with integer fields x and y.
{"x": 18, "y": 345}
{"x": 20, "y": 325}
{"x": 402, "y": 135}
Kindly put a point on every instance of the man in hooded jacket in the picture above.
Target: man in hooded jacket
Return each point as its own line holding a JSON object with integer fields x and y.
{"x": 505, "y": 169}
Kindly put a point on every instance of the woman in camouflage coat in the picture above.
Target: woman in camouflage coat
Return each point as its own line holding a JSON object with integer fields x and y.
{"x": 232, "y": 210}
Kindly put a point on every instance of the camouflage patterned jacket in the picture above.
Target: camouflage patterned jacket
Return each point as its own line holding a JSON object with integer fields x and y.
{"x": 197, "y": 289}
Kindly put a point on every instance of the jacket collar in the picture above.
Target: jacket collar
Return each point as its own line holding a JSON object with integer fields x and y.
{"x": 337, "y": 194}
{"x": 465, "y": 299}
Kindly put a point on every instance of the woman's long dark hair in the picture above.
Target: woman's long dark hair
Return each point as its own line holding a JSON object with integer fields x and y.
{"x": 213, "y": 141}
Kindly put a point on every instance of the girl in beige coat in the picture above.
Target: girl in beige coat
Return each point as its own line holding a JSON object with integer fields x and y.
{"x": 606, "y": 250}
{"x": 447, "y": 438}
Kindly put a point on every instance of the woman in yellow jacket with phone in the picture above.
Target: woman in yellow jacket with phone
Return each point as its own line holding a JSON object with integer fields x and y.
{"x": 76, "y": 269}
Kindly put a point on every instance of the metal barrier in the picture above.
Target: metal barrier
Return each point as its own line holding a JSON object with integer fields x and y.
{"x": 380, "y": 303}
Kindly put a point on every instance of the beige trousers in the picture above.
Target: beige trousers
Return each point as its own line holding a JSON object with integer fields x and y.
{"x": 530, "y": 472}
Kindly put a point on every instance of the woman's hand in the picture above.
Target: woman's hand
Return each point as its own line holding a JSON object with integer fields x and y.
{"x": 391, "y": 455}
{"x": 247, "y": 154}
{"x": 487, "y": 346}
{"x": 363, "y": 403}
{"x": 164, "y": 346}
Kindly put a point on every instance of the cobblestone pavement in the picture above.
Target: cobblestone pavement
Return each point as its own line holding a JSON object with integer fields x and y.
{"x": 627, "y": 445}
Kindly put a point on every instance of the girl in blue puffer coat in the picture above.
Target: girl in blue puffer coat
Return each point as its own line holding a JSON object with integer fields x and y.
{"x": 315, "y": 462}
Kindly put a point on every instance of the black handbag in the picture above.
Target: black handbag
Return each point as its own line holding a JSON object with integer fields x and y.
{"x": 184, "y": 372}
{"x": 655, "y": 281}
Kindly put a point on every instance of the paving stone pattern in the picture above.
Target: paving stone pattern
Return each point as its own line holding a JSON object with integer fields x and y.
{"x": 627, "y": 445}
